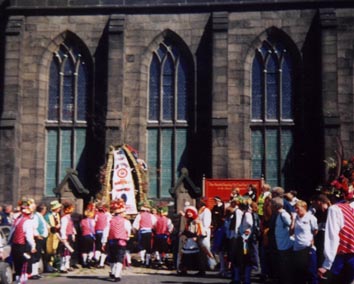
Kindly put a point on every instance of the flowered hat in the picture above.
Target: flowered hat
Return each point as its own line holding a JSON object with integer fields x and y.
{"x": 25, "y": 204}
{"x": 68, "y": 208}
{"x": 163, "y": 210}
{"x": 89, "y": 213}
{"x": 117, "y": 206}
{"x": 145, "y": 206}
{"x": 101, "y": 206}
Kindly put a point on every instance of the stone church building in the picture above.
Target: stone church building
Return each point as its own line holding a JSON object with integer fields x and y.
{"x": 225, "y": 88}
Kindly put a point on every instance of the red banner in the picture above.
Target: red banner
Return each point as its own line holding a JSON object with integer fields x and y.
{"x": 224, "y": 187}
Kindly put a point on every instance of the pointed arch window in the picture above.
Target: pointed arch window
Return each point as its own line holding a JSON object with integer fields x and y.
{"x": 168, "y": 119}
{"x": 67, "y": 115}
{"x": 272, "y": 116}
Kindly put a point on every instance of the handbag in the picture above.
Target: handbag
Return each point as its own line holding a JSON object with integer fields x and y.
{"x": 190, "y": 246}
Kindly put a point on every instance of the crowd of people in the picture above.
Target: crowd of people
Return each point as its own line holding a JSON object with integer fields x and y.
{"x": 281, "y": 237}
{"x": 286, "y": 239}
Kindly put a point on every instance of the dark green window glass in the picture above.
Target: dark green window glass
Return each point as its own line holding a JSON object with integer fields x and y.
{"x": 272, "y": 117}
{"x": 169, "y": 92}
{"x": 67, "y": 115}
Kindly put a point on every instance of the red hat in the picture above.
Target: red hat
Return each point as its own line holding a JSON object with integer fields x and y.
{"x": 192, "y": 210}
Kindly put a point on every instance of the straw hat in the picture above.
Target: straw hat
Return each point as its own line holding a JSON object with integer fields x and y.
{"x": 55, "y": 205}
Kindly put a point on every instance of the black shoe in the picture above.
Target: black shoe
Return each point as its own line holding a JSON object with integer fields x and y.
{"x": 182, "y": 273}
{"x": 35, "y": 277}
{"x": 200, "y": 274}
{"x": 63, "y": 271}
{"x": 111, "y": 275}
{"x": 116, "y": 279}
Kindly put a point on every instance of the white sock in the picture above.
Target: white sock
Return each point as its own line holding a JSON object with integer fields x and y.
{"x": 102, "y": 259}
{"x": 148, "y": 256}
{"x": 62, "y": 263}
{"x": 114, "y": 268}
{"x": 90, "y": 255}
{"x": 84, "y": 258}
{"x": 97, "y": 255}
{"x": 67, "y": 261}
{"x": 23, "y": 278}
{"x": 142, "y": 255}
{"x": 129, "y": 257}
{"x": 35, "y": 267}
{"x": 118, "y": 270}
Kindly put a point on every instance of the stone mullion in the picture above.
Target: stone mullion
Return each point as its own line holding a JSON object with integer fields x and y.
{"x": 10, "y": 130}
{"x": 331, "y": 116}
{"x": 219, "y": 93}
{"x": 114, "y": 117}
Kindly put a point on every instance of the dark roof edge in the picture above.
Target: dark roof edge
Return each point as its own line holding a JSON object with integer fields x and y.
{"x": 184, "y": 7}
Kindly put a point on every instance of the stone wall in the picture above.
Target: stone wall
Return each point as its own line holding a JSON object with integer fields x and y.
{"x": 221, "y": 43}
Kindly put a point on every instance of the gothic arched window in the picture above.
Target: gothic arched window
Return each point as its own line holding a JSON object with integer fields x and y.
{"x": 272, "y": 117}
{"x": 66, "y": 124}
{"x": 168, "y": 122}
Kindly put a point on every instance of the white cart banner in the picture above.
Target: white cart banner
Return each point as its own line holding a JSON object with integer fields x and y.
{"x": 122, "y": 181}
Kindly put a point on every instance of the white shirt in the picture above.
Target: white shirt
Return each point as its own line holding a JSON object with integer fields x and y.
{"x": 205, "y": 218}
{"x": 64, "y": 222}
{"x": 334, "y": 223}
{"x": 305, "y": 227}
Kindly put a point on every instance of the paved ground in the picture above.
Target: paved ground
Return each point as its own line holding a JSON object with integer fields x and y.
{"x": 132, "y": 275}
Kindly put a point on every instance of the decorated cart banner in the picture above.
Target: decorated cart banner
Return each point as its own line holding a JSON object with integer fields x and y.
{"x": 224, "y": 187}
{"x": 122, "y": 181}
{"x": 124, "y": 175}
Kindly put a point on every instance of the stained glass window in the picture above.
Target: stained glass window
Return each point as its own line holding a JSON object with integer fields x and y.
{"x": 169, "y": 82}
{"x": 67, "y": 115}
{"x": 272, "y": 117}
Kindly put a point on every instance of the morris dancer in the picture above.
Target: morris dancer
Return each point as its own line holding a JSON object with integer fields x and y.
{"x": 339, "y": 242}
{"x": 163, "y": 229}
{"x": 23, "y": 244}
{"x": 67, "y": 235}
{"x": 87, "y": 226}
{"x": 144, "y": 223}
{"x": 102, "y": 219}
{"x": 116, "y": 236}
